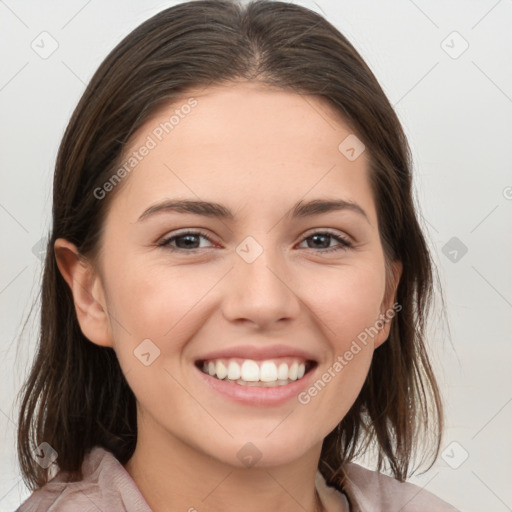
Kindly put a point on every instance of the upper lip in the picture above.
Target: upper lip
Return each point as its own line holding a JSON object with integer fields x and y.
{"x": 258, "y": 353}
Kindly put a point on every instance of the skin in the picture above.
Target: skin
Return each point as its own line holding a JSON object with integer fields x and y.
{"x": 257, "y": 151}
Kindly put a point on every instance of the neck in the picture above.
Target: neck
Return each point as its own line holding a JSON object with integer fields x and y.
{"x": 172, "y": 475}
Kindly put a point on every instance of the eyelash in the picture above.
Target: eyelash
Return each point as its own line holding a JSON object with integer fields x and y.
{"x": 344, "y": 243}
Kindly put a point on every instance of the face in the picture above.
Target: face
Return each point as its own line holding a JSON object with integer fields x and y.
{"x": 261, "y": 288}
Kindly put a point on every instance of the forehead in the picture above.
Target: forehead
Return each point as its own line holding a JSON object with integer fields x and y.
{"x": 245, "y": 142}
{"x": 253, "y": 115}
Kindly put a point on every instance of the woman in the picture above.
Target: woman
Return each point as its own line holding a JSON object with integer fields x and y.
{"x": 249, "y": 370}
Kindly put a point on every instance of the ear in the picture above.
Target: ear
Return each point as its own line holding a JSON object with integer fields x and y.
{"x": 88, "y": 293}
{"x": 388, "y": 308}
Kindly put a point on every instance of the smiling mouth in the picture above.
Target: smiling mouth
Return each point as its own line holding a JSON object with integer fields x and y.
{"x": 248, "y": 372}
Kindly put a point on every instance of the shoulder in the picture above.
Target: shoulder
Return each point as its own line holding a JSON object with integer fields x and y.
{"x": 105, "y": 486}
{"x": 371, "y": 491}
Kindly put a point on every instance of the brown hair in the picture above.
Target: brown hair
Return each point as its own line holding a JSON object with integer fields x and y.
{"x": 76, "y": 396}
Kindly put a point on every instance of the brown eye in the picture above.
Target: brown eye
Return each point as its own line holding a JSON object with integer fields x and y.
{"x": 321, "y": 240}
{"x": 187, "y": 241}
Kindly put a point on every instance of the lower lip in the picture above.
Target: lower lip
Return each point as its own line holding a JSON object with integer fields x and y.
{"x": 258, "y": 395}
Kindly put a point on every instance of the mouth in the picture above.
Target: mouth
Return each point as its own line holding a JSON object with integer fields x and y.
{"x": 267, "y": 373}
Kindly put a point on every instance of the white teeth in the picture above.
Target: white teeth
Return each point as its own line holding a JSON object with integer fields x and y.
{"x": 221, "y": 370}
{"x": 268, "y": 372}
{"x": 263, "y": 384}
{"x": 250, "y": 371}
{"x": 292, "y": 372}
{"x": 234, "y": 371}
{"x": 282, "y": 372}
{"x": 265, "y": 373}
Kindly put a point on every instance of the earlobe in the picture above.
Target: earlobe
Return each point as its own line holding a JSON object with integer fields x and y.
{"x": 389, "y": 309}
{"x": 87, "y": 291}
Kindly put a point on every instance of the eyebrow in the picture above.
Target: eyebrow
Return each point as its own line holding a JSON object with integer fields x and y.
{"x": 216, "y": 210}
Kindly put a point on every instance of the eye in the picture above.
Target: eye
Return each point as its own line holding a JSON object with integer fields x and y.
{"x": 320, "y": 237}
{"x": 184, "y": 241}
{"x": 188, "y": 241}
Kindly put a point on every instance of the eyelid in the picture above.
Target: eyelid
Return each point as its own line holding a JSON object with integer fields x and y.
{"x": 328, "y": 231}
{"x": 186, "y": 231}
{"x": 345, "y": 242}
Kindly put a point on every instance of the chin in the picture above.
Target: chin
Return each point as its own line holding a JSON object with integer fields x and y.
{"x": 261, "y": 452}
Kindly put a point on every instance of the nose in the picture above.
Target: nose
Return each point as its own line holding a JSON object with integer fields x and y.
{"x": 261, "y": 292}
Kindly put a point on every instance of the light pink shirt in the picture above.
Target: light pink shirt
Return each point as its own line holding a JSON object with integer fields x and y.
{"x": 107, "y": 487}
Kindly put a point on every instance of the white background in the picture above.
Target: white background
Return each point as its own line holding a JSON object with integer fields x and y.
{"x": 457, "y": 113}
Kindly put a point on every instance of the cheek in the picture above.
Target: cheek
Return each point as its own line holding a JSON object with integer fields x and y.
{"x": 155, "y": 301}
{"x": 349, "y": 302}
{"x": 164, "y": 305}
{"x": 153, "y": 317}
